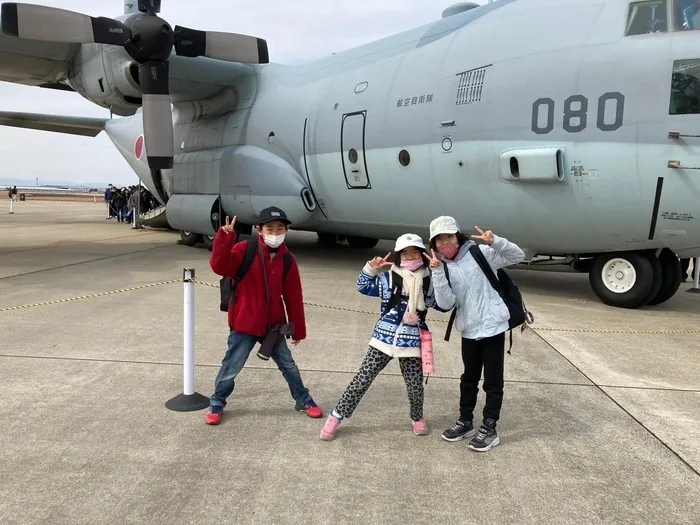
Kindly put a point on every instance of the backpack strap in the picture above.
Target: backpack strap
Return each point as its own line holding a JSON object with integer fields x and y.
{"x": 453, "y": 315}
{"x": 250, "y": 249}
{"x": 486, "y": 268}
{"x": 396, "y": 283}
{"x": 287, "y": 260}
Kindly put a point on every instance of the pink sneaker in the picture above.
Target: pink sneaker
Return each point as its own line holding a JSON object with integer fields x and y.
{"x": 329, "y": 429}
{"x": 420, "y": 428}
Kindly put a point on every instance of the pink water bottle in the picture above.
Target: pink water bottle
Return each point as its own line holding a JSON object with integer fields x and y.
{"x": 426, "y": 351}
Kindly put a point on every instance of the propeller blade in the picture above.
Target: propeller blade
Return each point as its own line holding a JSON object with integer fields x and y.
{"x": 149, "y": 5}
{"x": 157, "y": 115}
{"x": 38, "y": 22}
{"x": 231, "y": 47}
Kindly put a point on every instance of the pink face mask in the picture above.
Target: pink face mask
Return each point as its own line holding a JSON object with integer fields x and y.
{"x": 412, "y": 265}
{"x": 449, "y": 250}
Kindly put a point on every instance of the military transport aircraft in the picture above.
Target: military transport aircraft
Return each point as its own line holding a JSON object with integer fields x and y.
{"x": 572, "y": 127}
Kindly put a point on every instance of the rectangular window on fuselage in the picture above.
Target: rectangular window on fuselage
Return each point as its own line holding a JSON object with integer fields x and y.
{"x": 647, "y": 17}
{"x": 685, "y": 87}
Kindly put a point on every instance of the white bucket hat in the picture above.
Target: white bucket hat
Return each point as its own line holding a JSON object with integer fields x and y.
{"x": 409, "y": 239}
{"x": 443, "y": 224}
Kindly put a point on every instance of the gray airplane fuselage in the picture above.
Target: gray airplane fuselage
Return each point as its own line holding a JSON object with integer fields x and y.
{"x": 536, "y": 119}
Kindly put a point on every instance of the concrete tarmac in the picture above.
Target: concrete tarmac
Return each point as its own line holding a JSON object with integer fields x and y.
{"x": 600, "y": 421}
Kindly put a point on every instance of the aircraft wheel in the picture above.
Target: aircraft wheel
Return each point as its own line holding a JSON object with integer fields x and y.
{"x": 671, "y": 277}
{"x": 657, "y": 279}
{"x": 189, "y": 238}
{"x": 624, "y": 279}
{"x": 362, "y": 243}
{"x": 327, "y": 239}
{"x": 208, "y": 241}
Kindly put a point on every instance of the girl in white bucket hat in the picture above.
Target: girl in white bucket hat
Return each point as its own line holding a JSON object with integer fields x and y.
{"x": 481, "y": 317}
{"x": 406, "y": 293}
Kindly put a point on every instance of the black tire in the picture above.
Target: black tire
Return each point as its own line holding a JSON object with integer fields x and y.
{"x": 628, "y": 279}
{"x": 672, "y": 274}
{"x": 327, "y": 239}
{"x": 657, "y": 279}
{"x": 362, "y": 243}
{"x": 208, "y": 241}
{"x": 189, "y": 238}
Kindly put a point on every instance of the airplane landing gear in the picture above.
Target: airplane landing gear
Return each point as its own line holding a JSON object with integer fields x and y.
{"x": 635, "y": 279}
{"x": 189, "y": 238}
{"x": 625, "y": 280}
{"x": 671, "y": 276}
{"x": 362, "y": 243}
{"x": 208, "y": 241}
{"x": 327, "y": 239}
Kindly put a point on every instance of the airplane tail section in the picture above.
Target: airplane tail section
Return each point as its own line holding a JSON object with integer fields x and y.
{"x": 87, "y": 127}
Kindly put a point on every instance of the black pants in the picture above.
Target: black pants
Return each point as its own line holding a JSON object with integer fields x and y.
{"x": 486, "y": 353}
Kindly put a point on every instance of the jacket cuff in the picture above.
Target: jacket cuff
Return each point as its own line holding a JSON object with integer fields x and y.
{"x": 369, "y": 270}
{"x": 499, "y": 243}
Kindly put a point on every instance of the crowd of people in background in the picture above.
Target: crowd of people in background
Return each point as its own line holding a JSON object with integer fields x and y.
{"x": 122, "y": 202}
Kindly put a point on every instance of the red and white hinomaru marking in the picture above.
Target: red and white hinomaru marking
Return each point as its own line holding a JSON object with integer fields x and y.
{"x": 138, "y": 147}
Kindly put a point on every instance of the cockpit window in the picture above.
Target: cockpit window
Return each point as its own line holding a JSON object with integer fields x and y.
{"x": 687, "y": 14}
{"x": 647, "y": 17}
{"x": 685, "y": 87}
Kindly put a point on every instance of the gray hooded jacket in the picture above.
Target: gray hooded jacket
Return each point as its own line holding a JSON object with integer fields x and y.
{"x": 481, "y": 312}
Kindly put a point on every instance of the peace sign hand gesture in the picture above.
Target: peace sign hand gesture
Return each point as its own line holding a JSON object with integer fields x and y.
{"x": 486, "y": 236}
{"x": 380, "y": 263}
{"x": 228, "y": 227}
{"x": 433, "y": 261}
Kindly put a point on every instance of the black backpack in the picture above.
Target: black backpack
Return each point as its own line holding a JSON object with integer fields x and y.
{"x": 506, "y": 288}
{"x": 228, "y": 286}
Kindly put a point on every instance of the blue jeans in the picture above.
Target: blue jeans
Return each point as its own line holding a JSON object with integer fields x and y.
{"x": 239, "y": 348}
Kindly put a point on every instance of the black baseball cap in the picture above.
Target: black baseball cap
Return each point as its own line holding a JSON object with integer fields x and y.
{"x": 273, "y": 214}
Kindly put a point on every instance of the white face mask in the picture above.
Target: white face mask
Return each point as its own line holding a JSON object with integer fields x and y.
{"x": 274, "y": 241}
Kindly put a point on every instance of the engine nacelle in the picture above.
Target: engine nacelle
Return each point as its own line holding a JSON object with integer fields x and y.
{"x": 235, "y": 180}
{"x": 106, "y": 76}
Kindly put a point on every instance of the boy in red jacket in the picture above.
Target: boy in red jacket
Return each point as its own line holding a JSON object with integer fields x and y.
{"x": 248, "y": 315}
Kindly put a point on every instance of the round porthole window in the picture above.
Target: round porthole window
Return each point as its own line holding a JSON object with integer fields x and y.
{"x": 352, "y": 156}
{"x": 404, "y": 158}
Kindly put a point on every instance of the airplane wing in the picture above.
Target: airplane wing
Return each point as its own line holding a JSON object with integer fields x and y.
{"x": 35, "y": 63}
{"x": 87, "y": 127}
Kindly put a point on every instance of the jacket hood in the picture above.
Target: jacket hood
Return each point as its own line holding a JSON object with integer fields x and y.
{"x": 464, "y": 249}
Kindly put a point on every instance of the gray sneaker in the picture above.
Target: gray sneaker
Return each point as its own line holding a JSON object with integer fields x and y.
{"x": 486, "y": 438}
{"x": 459, "y": 430}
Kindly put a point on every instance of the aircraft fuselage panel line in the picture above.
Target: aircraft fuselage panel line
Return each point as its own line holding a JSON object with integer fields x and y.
{"x": 655, "y": 213}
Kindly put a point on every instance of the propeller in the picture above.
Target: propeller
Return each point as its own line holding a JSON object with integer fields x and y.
{"x": 149, "y": 40}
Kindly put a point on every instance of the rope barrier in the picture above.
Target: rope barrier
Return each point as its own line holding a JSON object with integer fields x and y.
{"x": 349, "y": 310}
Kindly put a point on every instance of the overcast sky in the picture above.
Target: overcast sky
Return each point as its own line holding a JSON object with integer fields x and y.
{"x": 296, "y": 32}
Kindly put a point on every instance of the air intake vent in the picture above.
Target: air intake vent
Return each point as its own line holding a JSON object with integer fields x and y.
{"x": 471, "y": 85}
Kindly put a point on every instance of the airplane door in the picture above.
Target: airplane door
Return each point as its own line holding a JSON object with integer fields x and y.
{"x": 352, "y": 150}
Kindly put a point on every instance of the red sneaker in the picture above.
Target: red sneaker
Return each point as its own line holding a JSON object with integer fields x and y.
{"x": 311, "y": 409}
{"x": 212, "y": 418}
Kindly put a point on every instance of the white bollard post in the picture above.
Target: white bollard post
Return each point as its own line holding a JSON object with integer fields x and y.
{"x": 188, "y": 332}
{"x": 696, "y": 271}
{"x": 11, "y": 212}
{"x": 189, "y": 400}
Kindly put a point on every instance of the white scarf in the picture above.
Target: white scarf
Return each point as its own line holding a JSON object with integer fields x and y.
{"x": 413, "y": 286}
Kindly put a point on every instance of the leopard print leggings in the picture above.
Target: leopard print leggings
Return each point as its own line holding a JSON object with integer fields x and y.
{"x": 373, "y": 363}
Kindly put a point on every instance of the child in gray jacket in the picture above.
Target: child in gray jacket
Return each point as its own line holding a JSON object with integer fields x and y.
{"x": 482, "y": 318}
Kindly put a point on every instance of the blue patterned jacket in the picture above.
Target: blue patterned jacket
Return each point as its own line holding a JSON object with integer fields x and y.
{"x": 390, "y": 335}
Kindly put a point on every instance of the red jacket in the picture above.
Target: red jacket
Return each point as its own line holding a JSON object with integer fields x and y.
{"x": 248, "y": 314}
